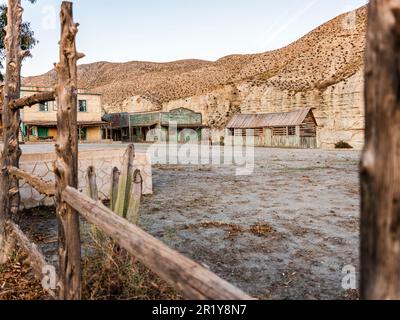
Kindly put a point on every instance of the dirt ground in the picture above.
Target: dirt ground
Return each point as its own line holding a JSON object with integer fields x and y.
{"x": 284, "y": 232}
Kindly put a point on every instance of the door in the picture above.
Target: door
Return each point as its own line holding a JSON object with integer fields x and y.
{"x": 43, "y": 132}
{"x": 267, "y": 137}
{"x": 82, "y": 134}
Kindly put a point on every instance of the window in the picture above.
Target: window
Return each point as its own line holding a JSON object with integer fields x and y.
{"x": 279, "y": 131}
{"x": 82, "y": 106}
{"x": 292, "y": 131}
{"x": 43, "y": 132}
{"x": 44, "y": 107}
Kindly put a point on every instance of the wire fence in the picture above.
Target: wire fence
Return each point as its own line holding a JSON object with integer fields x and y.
{"x": 104, "y": 162}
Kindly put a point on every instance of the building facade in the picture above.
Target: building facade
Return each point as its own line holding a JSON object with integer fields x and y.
{"x": 156, "y": 126}
{"x": 39, "y": 123}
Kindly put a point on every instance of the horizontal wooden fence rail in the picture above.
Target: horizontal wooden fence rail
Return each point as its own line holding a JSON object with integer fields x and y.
{"x": 193, "y": 280}
{"x": 30, "y": 101}
{"x": 40, "y": 185}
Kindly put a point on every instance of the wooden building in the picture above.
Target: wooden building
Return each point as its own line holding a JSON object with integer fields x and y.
{"x": 140, "y": 127}
{"x": 296, "y": 129}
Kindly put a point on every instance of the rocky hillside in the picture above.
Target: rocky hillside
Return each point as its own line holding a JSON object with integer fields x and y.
{"x": 327, "y": 58}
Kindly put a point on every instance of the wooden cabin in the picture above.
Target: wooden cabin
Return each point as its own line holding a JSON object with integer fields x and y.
{"x": 296, "y": 129}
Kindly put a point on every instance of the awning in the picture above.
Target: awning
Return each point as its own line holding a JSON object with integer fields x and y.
{"x": 54, "y": 123}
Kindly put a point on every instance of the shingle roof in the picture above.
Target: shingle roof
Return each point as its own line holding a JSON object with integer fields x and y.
{"x": 283, "y": 119}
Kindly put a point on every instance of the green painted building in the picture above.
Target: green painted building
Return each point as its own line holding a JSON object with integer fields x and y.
{"x": 179, "y": 124}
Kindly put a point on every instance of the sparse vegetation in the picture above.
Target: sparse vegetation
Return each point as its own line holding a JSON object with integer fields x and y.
{"x": 110, "y": 273}
{"x": 343, "y": 145}
{"x": 17, "y": 281}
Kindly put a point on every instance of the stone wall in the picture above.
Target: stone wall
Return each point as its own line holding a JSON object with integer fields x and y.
{"x": 103, "y": 160}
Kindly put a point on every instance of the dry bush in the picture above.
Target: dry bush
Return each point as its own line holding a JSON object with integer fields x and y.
{"x": 343, "y": 145}
{"x": 109, "y": 273}
{"x": 17, "y": 281}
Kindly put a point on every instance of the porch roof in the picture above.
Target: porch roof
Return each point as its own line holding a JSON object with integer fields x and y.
{"x": 54, "y": 123}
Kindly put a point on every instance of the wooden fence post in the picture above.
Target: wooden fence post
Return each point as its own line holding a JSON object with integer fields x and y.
{"x": 114, "y": 187}
{"x": 135, "y": 197}
{"x": 66, "y": 165}
{"x": 125, "y": 182}
{"x": 9, "y": 186}
{"x": 91, "y": 184}
{"x": 380, "y": 165}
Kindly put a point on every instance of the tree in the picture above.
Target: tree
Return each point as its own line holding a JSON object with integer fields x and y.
{"x": 27, "y": 35}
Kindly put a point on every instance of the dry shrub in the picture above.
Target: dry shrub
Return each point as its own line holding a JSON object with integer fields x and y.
{"x": 262, "y": 229}
{"x": 17, "y": 281}
{"x": 343, "y": 145}
{"x": 110, "y": 273}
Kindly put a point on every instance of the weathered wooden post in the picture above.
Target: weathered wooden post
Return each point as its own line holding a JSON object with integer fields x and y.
{"x": 9, "y": 186}
{"x": 66, "y": 165}
{"x": 114, "y": 187}
{"x": 380, "y": 165}
{"x": 91, "y": 184}
{"x": 135, "y": 197}
{"x": 125, "y": 182}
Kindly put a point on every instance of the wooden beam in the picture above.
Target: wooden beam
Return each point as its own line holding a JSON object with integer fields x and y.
{"x": 185, "y": 275}
{"x": 380, "y": 165}
{"x": 40, "y": 185}
{"x": 29, "y": 101}
{"x": 34, "y": 257}
{"x": 66, "y": 165}
{"x": 9, "y": 202}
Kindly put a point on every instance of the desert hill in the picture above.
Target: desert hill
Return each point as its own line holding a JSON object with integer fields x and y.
{"x": 326, "y": 55}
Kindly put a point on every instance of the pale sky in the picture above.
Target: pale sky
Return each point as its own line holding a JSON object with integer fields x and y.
{"x": 168, "y": 30}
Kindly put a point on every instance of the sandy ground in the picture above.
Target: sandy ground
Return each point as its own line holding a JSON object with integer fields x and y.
{"x": 284, "y": 232}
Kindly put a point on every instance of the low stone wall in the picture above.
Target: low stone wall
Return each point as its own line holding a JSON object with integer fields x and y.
{"x": 104, "y": 161}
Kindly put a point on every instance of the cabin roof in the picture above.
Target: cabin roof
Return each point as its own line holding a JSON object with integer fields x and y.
{"x": 263, "y": 120}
